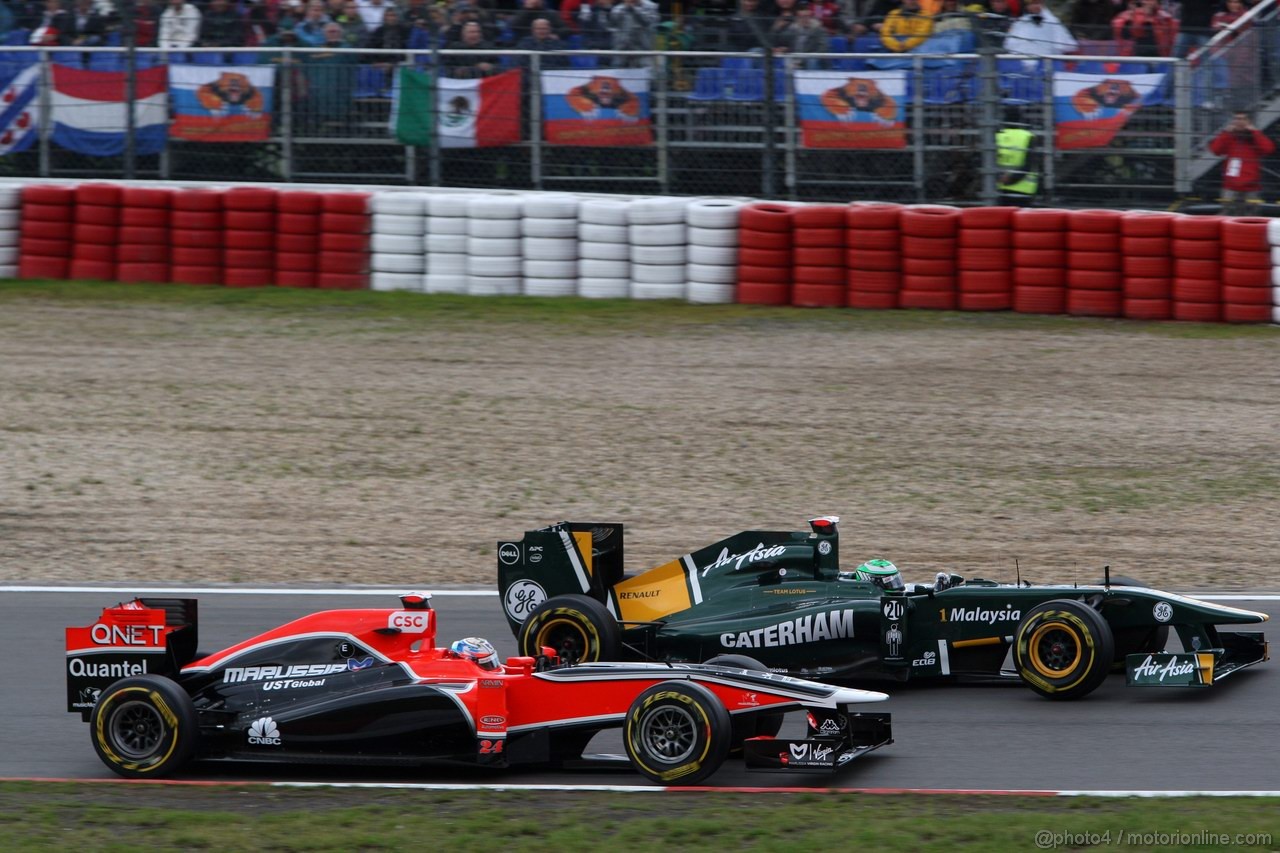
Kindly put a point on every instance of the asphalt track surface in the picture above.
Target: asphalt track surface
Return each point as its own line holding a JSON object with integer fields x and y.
{"x": 948, "y": 736}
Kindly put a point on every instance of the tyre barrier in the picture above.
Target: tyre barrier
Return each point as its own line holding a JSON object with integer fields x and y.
{"x": 1138, "y": 265}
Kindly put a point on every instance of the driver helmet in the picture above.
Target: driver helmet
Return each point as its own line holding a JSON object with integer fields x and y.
{"x": 476, "y": 649}
{"x": 880, "y": 572}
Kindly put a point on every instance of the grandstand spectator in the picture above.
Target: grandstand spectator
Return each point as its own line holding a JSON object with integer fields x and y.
{"x": 372, "y": 11}
{"x": 86, "y": 25}
{"x": 593, "y": 24}
{"x": 392, "y": 35}
{"x": 477, "y": 65}
{"x": 830, "y": 14}
{"x": 7, "y": 19}
{"x": 873, "y": 20}
{"x": 1243, "y": 146}
{"x": 633, "y": 23}
{"x": 414, "y": 11}
{"x": 543, "y": 38}
{"x": 51, "y": 25}
{"x": 785, "y": 15}
{"x": 906, "y": 28}
{"x": 535, "y": 10}
{"x": 146, "y": 23}
{"x": 221, "y": 26}
{"x": 465, "y": 13}
{"x": 179, "y": 25}
{"x": 805, "y": 34}
{"x": 1038, "y": 32}
{"x": 1194, "y": 17}
{"x": 330, "y": 78}
{"x": 310, "y": 30}
{"x": 1151, "y": 29}
{"x": 1232, "y": 11}
{"x": 1091, "y": 19}
{"x": 952, "y": 19}
{"x": 746, "y": 29}
{"x": 353, "y": 28}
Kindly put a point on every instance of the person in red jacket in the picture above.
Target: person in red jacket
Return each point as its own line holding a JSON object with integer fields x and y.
{"x": 1244, "y": 146}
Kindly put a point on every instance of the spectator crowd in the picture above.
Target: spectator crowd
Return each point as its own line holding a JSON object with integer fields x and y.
{"x": 1036, "y": 27}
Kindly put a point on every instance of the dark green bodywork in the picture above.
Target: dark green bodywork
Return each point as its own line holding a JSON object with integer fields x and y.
{"x": 780, "y": 597}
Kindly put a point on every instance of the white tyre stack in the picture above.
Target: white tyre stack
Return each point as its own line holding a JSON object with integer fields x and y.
{"x": 493, "y": 245}
{"x": 658, "y": 235}
{"x": 10, "y": 221}
{"x": 604, "y": 249}
{"x": 445, "y": 242}
{"x": 713, "y": 250}
{"x": 398, "y": 255}
{"x": 550, "y": 244}
{"x": 1273, "y": 238}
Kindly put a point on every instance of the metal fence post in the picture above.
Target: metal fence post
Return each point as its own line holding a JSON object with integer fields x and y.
{"x": 791, "y": 178}
{"x": 660, "y": 118}
{"x": 286, "y": 115}
{"x": 130, "y": 99}
{"x": 1182, "y": 127}
{"x": 535, "y": 120}
{"x": 1048, "y": 133}
{"x": 917, "y": 126}
{"x": 768, "y": 181}
{"x": 433, "y": 141}
{"x": 46, "y": 110}
{"x": 988, "y": 101}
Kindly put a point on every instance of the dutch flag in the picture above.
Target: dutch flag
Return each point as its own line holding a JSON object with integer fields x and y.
{"x": 88, "y": 110}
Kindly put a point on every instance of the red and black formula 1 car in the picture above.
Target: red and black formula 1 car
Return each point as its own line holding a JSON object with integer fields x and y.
{"x": 370, "y": 686}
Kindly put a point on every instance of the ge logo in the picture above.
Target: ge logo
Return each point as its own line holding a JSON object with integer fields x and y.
{"x": 521, "y": 598}
{"x": 1162, "y": 611}
{"x": 893, "y": 610}
{"x": 824, "y": 547}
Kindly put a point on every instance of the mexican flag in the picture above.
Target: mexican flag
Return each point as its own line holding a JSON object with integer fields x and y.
{"x": 476, "y": 113}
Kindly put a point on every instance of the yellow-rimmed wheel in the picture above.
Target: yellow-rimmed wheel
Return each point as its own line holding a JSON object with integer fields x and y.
{"x": 677, "y": 733}
{"x": 144, "y": 727}
{"x": 579, "y": 629}
{"x": 1063, "y": 649}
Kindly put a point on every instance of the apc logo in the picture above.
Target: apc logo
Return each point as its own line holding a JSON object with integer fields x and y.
{"x": 264, "y": 732}
{"x": 410, "y": 621}
{"x": 509, "y": 553}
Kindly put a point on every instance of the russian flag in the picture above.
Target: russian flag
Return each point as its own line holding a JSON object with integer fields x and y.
{"x": 88, "y": 110}
{"x": 20, "y": 115}
{"x": 1090, "y": 109}
{"x": 597, "y": 107}
{"x": 841, "y": 109}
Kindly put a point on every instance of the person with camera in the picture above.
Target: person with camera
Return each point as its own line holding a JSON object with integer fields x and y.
{"x": 1243, "y": 146}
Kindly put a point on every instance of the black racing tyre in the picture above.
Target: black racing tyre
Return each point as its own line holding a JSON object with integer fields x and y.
{"x": 1140, "y": 639}
{"x": 144, "y": 727}
{"x": 749, "y": 725}
{"x": 677, "y": 733}
{"x": 1063, "y": 649}
{"x": 579, "y": 628}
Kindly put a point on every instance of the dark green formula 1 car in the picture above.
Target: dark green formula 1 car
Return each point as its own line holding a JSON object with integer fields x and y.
{"x": 780, "y": 598}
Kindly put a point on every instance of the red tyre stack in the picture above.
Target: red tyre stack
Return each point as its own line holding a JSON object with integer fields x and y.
{"x": 929, "y": 257}
{"x": 143, "y": 251}
{"x": 765, "y": 232}
{"x": 819, "y": 272}
{"x": 249, "y": 236}
{"x": 1246, "y": 270}
{"x": 195, "y": 236}
{"x": 46, "y": 228}
{"x": 984, "y": 255}
{"x": 1094, "y": 273}
{"x": 344, "y": 242}
{"x": 873, "y": 254}
{"x": 1197, "y": 268}
{"x": 97, "y": 230}
{"x": 1147, "y": 284}
{"x": 1040, "y": 261}
{"x": 297, "y": 238}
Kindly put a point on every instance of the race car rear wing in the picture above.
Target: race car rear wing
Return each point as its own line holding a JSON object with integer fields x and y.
{"x": 572, "y": 557}
{"x": 144, "y": 636}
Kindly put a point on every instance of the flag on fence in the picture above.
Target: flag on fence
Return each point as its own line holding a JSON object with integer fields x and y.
{"x": 587, "y": 107}
{"x": 1090, "y": 108}
{"x": 839, "y": 109}
{"x": 20, "y": 115}
{"x": 222, "y": 103}
{"x": 472, "y": 113}
{"x": 88, "y": 110}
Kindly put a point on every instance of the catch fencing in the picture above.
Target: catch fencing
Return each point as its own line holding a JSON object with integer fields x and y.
{"x": 717, "y": 123}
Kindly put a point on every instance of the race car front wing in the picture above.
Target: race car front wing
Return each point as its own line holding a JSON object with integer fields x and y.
{"x": 1203, "y": 668}
{"x": 835, "y": 738}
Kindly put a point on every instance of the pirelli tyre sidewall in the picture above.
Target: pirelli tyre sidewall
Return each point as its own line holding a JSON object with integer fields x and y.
{"x": 749, "y": 724}
{"x": 580, "y": 629}
{"x": 1063, "y": 649}
{"x": 144, "y": 727}
{"x": 677, "y": 733}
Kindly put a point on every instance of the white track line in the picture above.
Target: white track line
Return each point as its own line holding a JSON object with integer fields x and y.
{"x": 227, "y": 590}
